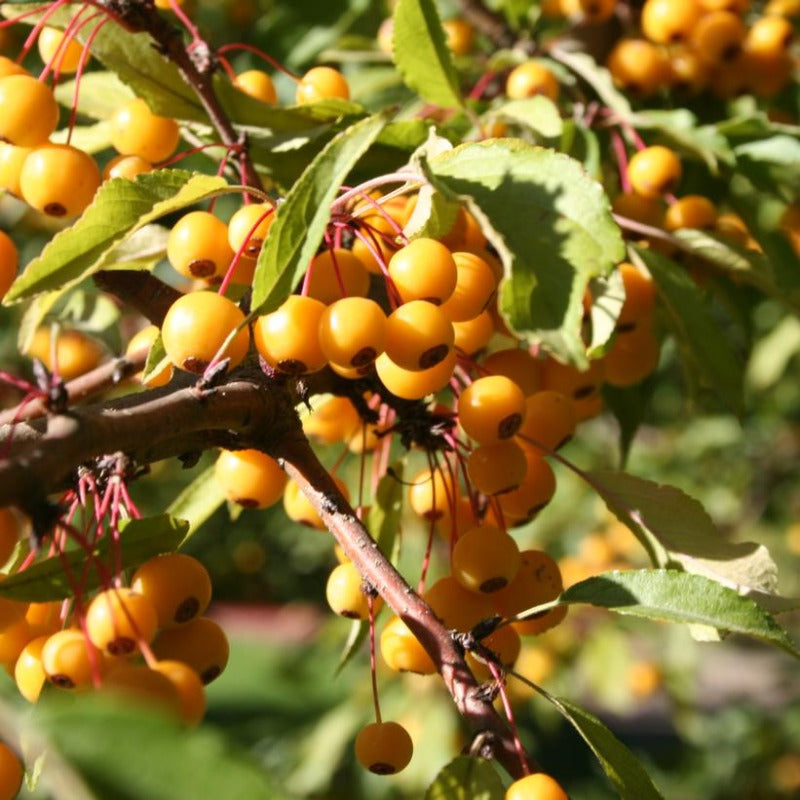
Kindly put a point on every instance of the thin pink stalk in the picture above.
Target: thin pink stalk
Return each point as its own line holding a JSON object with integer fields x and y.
{"x": 34, "y": 34}
{"x": 85, "y": 53}
{"x": 501, "y": 686}
{"x": 372, "y": 663}
{"x": 621, "y": 157}
{"x": 187, "y": 23}
{"x": 261, "y": 54}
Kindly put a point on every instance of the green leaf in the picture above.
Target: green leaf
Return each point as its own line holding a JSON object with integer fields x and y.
{"x": 780, "y": 151}
{"x": 629, "y": 406}
{"x": 618, "y": 762}
{"x": 466, "y": 778}
{"x": 538, "y": 114}
{"x": 120, "y": 208}
{"x": 677, "y": 530}
{"x": 89, "y": 138}
{"x": 598, "y": 77}
{"x": 687, "y": 311}
{"x": 140, "y": 539}
{"x": 551, "y": 225}
{"x": 677, "y": 596}
{"x": 608, "y": 295}
{"x": 101, "y": 93}
{"x": 421, "y": 54}
{"x": 773, "y": 354}
{"x": 679, "y": 128}
{"x": 744, "y": 265}
{"x": 198, "y": 501}
{"x": 139, "y": 65}
{"x": 301, "y": 219}
{"x": 157, "y": 360}
{"x": 129, "y": 752}
{"x": 383, "y": 520}
{"x": 434, "y": 214}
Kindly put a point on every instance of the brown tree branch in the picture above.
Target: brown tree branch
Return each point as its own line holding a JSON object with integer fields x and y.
{"x": 196, "y": 68}
{"x": 490, "y": 23}
{"x": 302, "y": 465}
{"x": 91, "y": 383}
{"x": 141, "y": 289}
{"x": 247, "y": 410}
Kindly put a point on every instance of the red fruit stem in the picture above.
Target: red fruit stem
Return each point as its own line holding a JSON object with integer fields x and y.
{"x": 48, "y": 12}
{"x": 621, "y": 156}
{"x": 69, "y": 34}
{"x": 73, "y": 115}
{"x": 226, "y": 65}
{"x": 194, "y": 32}
{"x": 372, "y": 664}
{"x": 500, "y": 680}
{"x": 261, "y": 54}
{"x": 480, "y": 85}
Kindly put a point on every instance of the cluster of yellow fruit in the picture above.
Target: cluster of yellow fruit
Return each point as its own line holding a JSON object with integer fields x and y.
{"x": 693, "y": 45}
{"x": 56, "y": 179}
{"x": 149, "y": 641}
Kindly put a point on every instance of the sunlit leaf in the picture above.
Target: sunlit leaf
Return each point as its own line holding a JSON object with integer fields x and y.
{"x": 676, "y": 529}
{"x": 129, "y": 752}
{"x": 120, "y": 209}
{"x": 551, "y": 225}
{"x": 466, "y": 778}
{"x": 301, "y": 219}
{"x": 421, "y": 54}
{"x": 677, "y": 596}
{"x": 620, "y": 765}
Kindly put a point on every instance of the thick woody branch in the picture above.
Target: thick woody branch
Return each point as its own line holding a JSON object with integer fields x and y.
{"x": 44, "y": 454}
{"x": 300, "y": 462}
{"x": 248, "y": 410}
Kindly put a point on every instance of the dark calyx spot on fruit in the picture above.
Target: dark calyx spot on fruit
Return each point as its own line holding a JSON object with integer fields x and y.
{"x": 253, "y": 247}
{"x": 187, "y": 610}
{"x": 582, "y": 392}
{"x": 349, "y": 614}
{"x": 433, "y": 355}
{"x": 382, "y": 768}
{"x": 731, "y": 51}
{"x": 626, "y": 327}
{"x": 196, "y": 365}
{"x": 366, "y": 355}
{"x": 509, "y": 426}
{"x": 292, "y": 366}
{"x": 246, "y": 502}
{"x": 209, "y": 674}
{"x": 62, "y": 681}
{"x": 55, "y": 210}
{"x": 121, "y": 646}
{"x": 493, "y": 584}
{"x": 202, "y": 267}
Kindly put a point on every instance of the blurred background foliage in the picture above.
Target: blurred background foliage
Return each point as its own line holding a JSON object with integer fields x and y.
{"x": 711, "y": 721}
